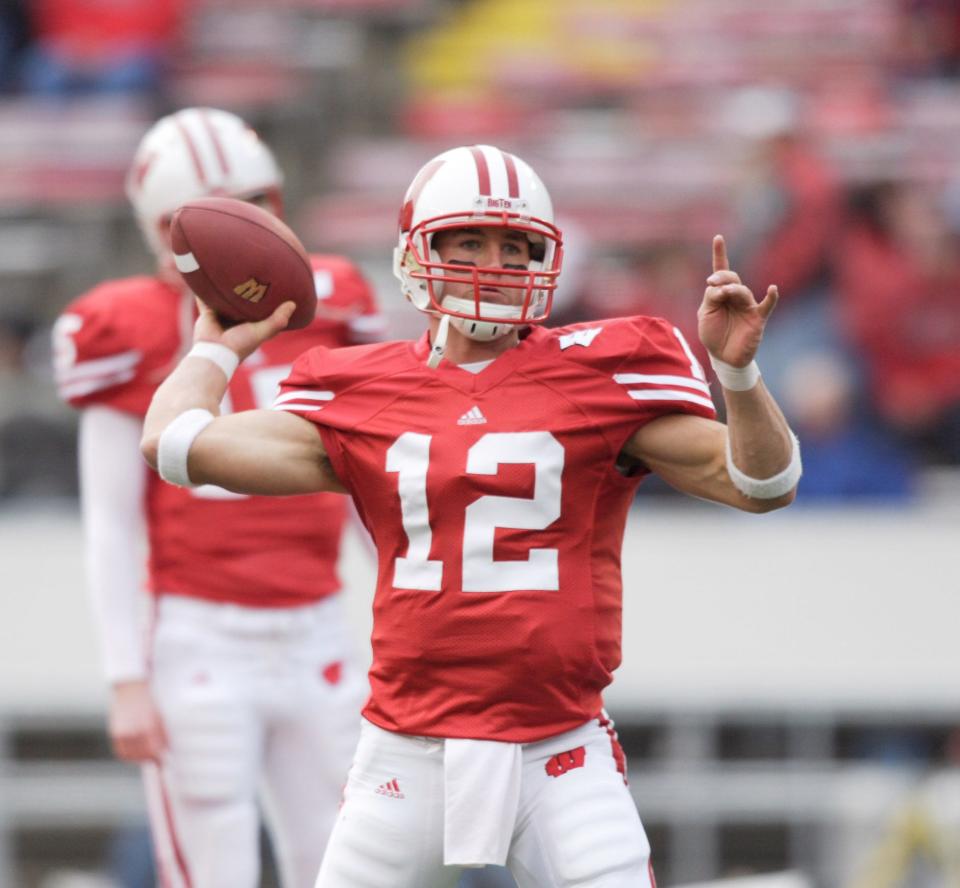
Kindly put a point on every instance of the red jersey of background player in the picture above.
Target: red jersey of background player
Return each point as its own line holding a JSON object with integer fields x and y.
{"x": 118, "y": 342}
{"x": 497, "y": 509}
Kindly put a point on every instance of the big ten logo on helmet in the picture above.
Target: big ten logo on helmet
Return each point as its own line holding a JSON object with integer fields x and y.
{"x": 485, "y": 202}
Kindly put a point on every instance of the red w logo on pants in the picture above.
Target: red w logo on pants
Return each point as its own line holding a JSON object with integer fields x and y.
{"x": 566, "y": 761}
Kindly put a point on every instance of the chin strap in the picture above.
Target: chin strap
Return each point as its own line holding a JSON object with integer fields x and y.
{"x": 439, "y": 344}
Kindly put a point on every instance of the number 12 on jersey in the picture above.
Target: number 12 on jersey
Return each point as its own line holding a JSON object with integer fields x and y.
{"x": 409, "y": 457}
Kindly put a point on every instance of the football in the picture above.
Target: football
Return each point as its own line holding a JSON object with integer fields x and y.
{"x": 242, "y": 261}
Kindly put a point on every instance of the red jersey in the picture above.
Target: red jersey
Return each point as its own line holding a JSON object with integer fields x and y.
{"x": 118, "y": 342}
{"x": 497, "y": 509}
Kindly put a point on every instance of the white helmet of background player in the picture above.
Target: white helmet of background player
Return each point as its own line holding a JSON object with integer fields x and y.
{"x": 473, "y": 187}
{"x": 198, "y": 152}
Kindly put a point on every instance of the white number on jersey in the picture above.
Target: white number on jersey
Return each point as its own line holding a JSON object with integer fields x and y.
{"x": 409, "y": 456}
{"x": 64, "y": 348}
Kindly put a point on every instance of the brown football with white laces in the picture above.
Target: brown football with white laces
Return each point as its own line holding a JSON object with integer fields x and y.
{"x": 242, "y": 261}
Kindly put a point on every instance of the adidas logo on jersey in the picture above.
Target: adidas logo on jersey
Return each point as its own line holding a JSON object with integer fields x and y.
{"x": 472, "y": 417}
{"x": 391, "y": 789}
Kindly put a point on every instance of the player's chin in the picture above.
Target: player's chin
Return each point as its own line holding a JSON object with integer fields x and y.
{"x": 512, "y": 296}
{"x": 501, "y": 296}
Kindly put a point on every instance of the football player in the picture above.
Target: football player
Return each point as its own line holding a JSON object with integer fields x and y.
{"x": 245, "y": 677}
{"x": 493, "y": 461}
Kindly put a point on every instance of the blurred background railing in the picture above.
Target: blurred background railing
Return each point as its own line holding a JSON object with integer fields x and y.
{"x": 793, "y": 710}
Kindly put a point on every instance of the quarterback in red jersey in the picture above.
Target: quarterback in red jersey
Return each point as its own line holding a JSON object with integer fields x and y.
{"x": 247, "y": 676}
{"x": 493, "y": 462}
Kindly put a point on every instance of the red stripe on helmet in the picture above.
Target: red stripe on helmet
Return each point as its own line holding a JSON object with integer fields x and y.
{"x": 217, "y": 146}
{"x": 425, "y": 175}
{"x": 513, "y": 181}
{"x": 483, "y": 171}
{"x": 192, "y": 148}
{"x": 142, "y": 168}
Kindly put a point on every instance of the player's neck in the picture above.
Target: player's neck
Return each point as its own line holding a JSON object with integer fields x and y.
{"x": 461, "y": 349}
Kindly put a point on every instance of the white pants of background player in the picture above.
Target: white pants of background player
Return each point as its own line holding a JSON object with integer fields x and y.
{"x": 252, "y": 698}
{"x": 578, "y": 829}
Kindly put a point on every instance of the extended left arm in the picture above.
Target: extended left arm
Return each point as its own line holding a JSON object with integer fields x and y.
{"x": 753, "y": 462}
{"x": 690, "y": 453}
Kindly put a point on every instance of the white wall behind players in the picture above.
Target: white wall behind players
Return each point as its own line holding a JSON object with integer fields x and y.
{"x": 806, "y": 608}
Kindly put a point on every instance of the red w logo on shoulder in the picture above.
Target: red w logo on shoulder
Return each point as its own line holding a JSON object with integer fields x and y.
{"x": 566, "y": 761}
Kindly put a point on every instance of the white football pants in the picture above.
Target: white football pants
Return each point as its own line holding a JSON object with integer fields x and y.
{"x": 577, "y": 825}
{"x": 252, "y": 698}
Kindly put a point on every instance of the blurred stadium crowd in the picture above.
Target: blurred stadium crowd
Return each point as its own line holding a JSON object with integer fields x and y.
{"x": 822, "y": 137}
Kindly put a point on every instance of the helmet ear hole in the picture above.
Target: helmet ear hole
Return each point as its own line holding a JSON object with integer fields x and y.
{"x": 415, "y": 290}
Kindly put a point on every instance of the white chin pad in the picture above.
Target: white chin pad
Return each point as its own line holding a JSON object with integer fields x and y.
{"x": 480, "y": 331}
{"x": 490, "y": 310}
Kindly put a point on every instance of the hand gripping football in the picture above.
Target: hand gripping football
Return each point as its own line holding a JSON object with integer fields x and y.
{"x": 242, "y": 261}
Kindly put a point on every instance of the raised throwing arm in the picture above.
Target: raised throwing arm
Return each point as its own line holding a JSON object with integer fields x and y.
{"x": 255, "y": 451}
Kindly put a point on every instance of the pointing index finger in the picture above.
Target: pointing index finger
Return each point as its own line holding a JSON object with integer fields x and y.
{"x": 720, "y": 262}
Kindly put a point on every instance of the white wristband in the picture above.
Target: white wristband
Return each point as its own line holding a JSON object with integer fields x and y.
{"x": 225, "y": 358}
{"x": 736, "y": 379}
{"x": 175, "y": 443}
{"x": 767, "y": 488}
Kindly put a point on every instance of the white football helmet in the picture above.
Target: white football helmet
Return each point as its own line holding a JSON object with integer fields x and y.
{"x": 478, "y": 186}
{"x": 198, "y": 152}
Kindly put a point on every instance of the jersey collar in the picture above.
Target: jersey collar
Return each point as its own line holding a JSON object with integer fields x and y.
{"x": 475, "y": 383}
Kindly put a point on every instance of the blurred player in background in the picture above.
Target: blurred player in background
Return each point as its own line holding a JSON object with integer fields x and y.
{"x": 494, "y": 462}
{"x": 245, "y": 677}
